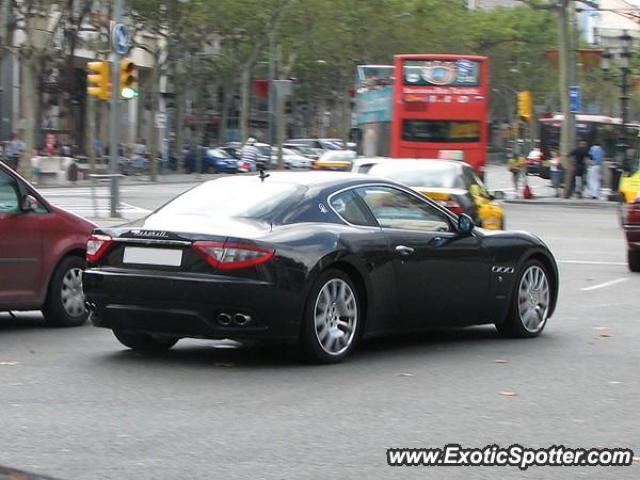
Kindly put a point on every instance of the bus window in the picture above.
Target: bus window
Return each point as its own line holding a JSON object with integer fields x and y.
{"x": 443, "y": 131}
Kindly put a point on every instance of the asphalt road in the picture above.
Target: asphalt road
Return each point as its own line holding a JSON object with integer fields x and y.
{"x": 78, "y": 405}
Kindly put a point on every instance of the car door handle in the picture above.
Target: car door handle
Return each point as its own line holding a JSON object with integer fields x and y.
{"x": 404, "y": 250}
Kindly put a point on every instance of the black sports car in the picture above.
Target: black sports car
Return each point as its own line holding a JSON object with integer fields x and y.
{"x": 318, "y": 259}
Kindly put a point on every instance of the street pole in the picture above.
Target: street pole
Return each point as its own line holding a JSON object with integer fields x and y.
{"x": 564, "y": 64}
{"x": 624, "y": 100}
{"x": 114, "y": 130}
{"x": 272, "y": 77}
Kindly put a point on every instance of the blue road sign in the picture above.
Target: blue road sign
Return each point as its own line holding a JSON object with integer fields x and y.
{"x": 120, "y": 38}
{"x": 574, "y": 98}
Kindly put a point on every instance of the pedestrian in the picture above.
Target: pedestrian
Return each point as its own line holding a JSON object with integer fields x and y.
{"x": 516, "y": 166}
{"x": 580, "y": 155}
{"x": 35, "y": 166}
{"x": 555, "y": 171}
{"x": 594, "y": 173}
{"x": 15, "y": 147}
{"x": 249, "y": 154}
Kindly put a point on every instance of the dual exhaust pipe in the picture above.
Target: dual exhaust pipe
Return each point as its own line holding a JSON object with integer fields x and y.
{"x": 236, "y": 320}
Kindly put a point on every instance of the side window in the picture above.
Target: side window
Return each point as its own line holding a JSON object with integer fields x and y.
{"x": 347, "y": 206}
{"x": 396, "y": 209}
{"x": 9, "y": 195}
{"x": 474, "y": 184}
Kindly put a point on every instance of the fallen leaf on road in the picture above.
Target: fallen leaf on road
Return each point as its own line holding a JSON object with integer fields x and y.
{"x": 604, "y": 334}
{"x": 225, "y": 364}
{"x": 500, "y": 360}
{"x": 507, "y": 393}
{"x": 10, "y": 363}
{"x": 405, "y": 374}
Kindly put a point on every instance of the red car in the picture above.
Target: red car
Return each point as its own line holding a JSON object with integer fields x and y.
{"x": 42, "y": 253}
{"x": 631, "y": 225}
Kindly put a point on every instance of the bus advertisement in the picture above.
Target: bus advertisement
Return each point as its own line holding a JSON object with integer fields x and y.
{"x": 425, "y": 106}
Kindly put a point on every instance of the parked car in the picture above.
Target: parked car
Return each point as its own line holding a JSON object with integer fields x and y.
{"x": 291, "y": 159}
{"x": 214, "y": 160}
{"x": 303, "y": 150}
{"x": 453, "y": 184}
{"x": 335, "y": 160}
{"x": 630, "y": 217}
{"x": 42, "y": 253}
{"x": 318, "y": 260}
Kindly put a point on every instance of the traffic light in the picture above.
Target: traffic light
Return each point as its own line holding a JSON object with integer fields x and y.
{"x": 98, "y": 80}
{"x": 525, "y": 105}
{"x": 128, "y": 79}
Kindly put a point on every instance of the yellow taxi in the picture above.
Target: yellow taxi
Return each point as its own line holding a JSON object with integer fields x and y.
{"x": 453, "y": 184}
{"x": 340, "y": 160}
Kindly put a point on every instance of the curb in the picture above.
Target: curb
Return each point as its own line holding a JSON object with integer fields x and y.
{"x": 564, "y": 202}
{"x": 127, "y": 182}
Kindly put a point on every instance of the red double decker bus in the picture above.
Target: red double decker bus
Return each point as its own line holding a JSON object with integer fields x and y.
{"x": 425, "y": 106}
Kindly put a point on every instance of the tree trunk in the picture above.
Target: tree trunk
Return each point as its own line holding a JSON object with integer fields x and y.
{"x": 179, "y": 99}
{"x": 224, "y": 118}
{"x": 28, "y": 113}
{"x": 245, "y": 92}
{"x": 153, "y": 131}
{"x": 281, "y": 126}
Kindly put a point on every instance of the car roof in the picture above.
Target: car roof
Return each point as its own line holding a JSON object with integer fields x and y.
{"x": 319, "y": 179}
{"x": 412, "y": 162}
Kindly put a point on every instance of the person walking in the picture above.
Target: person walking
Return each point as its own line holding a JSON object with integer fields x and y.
{"x": 555, "y": 171}
{"x": 249, "y": 155}
{"x": 594, "y": 173}
{"x": 580, "y": 155}
{"x": 15, "y": 147}
{"x": 516, "y": 166}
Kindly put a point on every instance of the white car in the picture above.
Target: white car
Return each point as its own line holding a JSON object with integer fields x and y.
{"x": 290, "y": 158}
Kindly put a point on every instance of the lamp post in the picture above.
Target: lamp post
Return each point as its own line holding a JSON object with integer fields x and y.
{"x": 624, "y": 60}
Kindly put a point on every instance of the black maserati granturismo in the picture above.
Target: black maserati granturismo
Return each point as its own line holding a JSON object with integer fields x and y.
{"x": 315, "y": 259}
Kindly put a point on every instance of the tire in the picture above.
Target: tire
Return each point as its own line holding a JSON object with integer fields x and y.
{"x": 633, "y": 259}
{"x": 64, "y": 306}
{"x": 328, "y": 334}
{"x": 528, "y": 318}
{"x": 145, "y": 342}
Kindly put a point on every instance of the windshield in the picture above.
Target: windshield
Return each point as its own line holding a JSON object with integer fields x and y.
{"x": 245, "y": 197}
{"x": 218, "y": 152}
{"x": 435, "y": 175}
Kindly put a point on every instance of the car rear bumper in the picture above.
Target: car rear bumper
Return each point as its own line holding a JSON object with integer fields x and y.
{"x": 190, "y": 306}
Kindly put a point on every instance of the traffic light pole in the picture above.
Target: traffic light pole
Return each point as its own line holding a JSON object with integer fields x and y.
{"x": 114, "y": 129}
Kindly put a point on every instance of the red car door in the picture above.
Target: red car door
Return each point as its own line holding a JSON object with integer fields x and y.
{"x": 20, "y": 248}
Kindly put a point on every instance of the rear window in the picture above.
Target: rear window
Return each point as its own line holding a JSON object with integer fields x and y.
{"x": 247, "y": 197}
{"x": 431, "y": 175}
{"x": 441, "y": 131}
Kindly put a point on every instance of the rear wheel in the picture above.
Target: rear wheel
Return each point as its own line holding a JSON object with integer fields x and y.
{"x": 64, "y": 306}
{"x": 144, "y": 341}
{"x": 633, "y": 259}
{"x": 332, "y": 318}
{"x": 530, "y": 303}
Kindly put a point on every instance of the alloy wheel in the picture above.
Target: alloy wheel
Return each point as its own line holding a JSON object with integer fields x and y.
{"x": 336, "y": 316}
{"x": 533, "y": 299}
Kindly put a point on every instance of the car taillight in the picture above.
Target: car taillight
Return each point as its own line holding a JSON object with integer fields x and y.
{"x": 230, "y": 256}
{"x": 97, "y": 245}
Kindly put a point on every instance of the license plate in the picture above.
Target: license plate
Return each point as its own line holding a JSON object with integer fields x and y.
{"x": 152, "y": 256}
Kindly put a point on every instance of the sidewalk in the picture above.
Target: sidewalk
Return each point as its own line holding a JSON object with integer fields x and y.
{"x": 140, "y": 180}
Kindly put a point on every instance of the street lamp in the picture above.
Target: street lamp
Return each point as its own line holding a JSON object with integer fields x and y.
{"x": 624, "y": 60}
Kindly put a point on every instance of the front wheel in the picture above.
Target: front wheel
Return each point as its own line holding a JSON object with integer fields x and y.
{"x": 633, "y": 260}
{"x": 332, "y": 318}
{"x": 64, "y": 306}
{"x": 530, "y": 304}
{"x": 145, "y": 342}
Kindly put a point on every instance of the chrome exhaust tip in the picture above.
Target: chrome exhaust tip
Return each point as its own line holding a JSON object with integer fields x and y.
{"x": 224, "y": 319}
{"x": 241, "y": 319}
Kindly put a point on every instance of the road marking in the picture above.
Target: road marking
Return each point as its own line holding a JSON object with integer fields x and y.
{"x": 605, "y": 284}
{"x": 590, "y": 262}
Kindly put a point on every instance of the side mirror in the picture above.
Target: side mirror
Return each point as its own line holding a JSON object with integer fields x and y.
{"x": 465, "y": 224}
{"x": 498, "y": 195}
{"x": 28, "y": 204}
